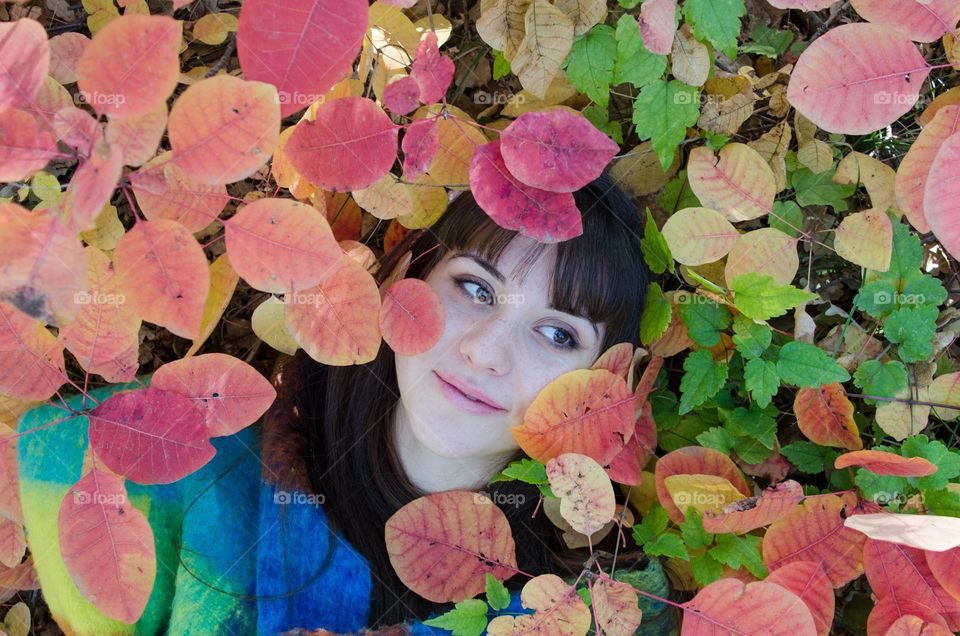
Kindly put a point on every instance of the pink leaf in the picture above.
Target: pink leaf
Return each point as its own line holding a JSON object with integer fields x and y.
{"x": 166, "y": 191}
{"x": 411, "y": 317}
{"x": 151, "y": 435}
{"x": 914, "y": 169}
{"x": 432, "y": 71}
{"x": 402, "y": 95}
{"x": 842, "y": 89}
{"x": 807, "y": 580}
{"x": 728, "y": 606}
{"x": 24, "y": 62}
{"x": 65, "y": 52}
{"x": 804, "y": 5}
{"x": 77, "y": 128}
{"x": 920, "y": 21}
{"x": 23, "y": 148}
{"x": 420, "y": 143}
{"x": 350, "y": 145}
{"x": 303, "y": 47}
{"x": 941, "y": 199}
{"x": 31, "y": 359}
{"x": 548, "y": 217}
{"x": 107, "y": 546}
{"x": 230, "y": 393}
{"x": 658, "y": 25}
{"x": 555, "y": 150}
{"x": 91, "y": 187}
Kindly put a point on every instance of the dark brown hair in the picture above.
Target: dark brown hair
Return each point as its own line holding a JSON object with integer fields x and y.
{"x": 347, "y": 410}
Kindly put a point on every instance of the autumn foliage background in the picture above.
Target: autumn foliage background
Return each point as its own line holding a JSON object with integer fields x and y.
{"x": 191, "y": 191}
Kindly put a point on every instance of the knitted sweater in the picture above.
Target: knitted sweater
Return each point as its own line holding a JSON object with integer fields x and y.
{"x": 224, "y": 536}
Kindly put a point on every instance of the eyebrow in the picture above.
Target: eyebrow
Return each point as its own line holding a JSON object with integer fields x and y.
{"x": 493, "y": 271}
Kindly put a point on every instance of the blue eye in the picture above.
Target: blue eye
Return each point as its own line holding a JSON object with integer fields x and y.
{"x": 569, "y": 342}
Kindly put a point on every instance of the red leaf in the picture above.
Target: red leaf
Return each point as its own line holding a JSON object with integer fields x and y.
{"x": 24, "y": 62}
{"x": 411, "y": 317}
{"x": 943, "y": 213}
{"x": 729, "y": 606}
{"x": 807, "y": 580}
{"x": 420, "y": 143}
{"x": 627, "y": 466}
{"x": 151, "y": 436}
{"x": 548, "y": 217}
{"x": 887, "y": 611}
{"x": 914, "y": 169}
{"x": 402, "y": 95}
{"x": 901, "y": 572}
{"x": 91, "y": 187}
{"x": 23, "y": 148}
{"x": 946, "y": 569}
{"x": 694, "y": 460}
{"x": 754, "y": 512}
{"x": 303, "y": 47}
{"x": 841, "y": 89}
{"x": 658, "y": 25}
{"x": 909, "y": 625}
{"x": 107, "y": 546}
{"x": 229, "y": 393}
{"x": 432, "y": 71}
{"x": 441, "y": 545}
{"x": 825, "y": 416}
{"x": 131, "y": 66}
{"x": 555, "y": 150}
{"x": 884, "y": 463}
{"x": 925, "y": 21}
{"x": 350, "y": 144}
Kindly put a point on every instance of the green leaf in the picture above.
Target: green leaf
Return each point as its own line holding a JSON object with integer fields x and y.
{"x": 906, "y": 259}
{"x": 634, "y": 63}
{"x": 669, "y": 545}
{"x": 762, "y": 380}
{"x": 913, "y": 329}
{"x": 946, "y": 461}
{"x": 691, "y": 529}
{"x": 752, "y": 423}
{"x": 705, "y": 569}
{"x": 805, "y": 365}
{"x": 628, "y": 4}
{"x": 526, "y": 470}
{"x": 501, "y": 65}
{"x": 598, "y": 116}
{"x": 656, "y": 315}
{"x": 922, "y": 290}
{"x": 882, "y": 489}
{"x": 677, "y": 194}
{"x": 808, "y": 457}
{"x": 717, "y": 21}
{"x": 942, "y": 502}
{"x": 876, "y": 298}
{"x": 819, "y": 189}
{"x": 656, "y": 251}
{"x": 740, "y": 551}
{"x": 584, "y": 595}
{"x": 652, "y": 524}
{"x": 468, "y": 618}
{"x": 702, "y": 379}
{"x": 689, "y": 427}
{"x": 750, "y": 338}
{"x": 717, "y": 438}
{"x": 885, "y": 379}
{"x": 662, "y": 112}
{"x": 787, "y": 217}
{"x": 758, "y": 297}
{"x": 704, "y": 318}
{"x": 590, "y": 62}
{"x": 767, "y": 41}
{"x": 715, "y": 141}
{"x": 497, "y": 594}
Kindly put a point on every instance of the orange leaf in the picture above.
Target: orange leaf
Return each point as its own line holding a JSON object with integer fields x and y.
{"x": 412, "y": 317}
{"x": 807, "y": 580}
{"x": 131, "y": 66}
{"x": 825, "y": 416}
{"x": 336, "y": 322}
{"x": 586, "y": 494}
{"x": 163, "y": 271}
{"x": 814, "y": 531}
{"x": 559, "y": 610}
{"x": 739, "y": 184}
{"x": 230, "y": 393}
{"x": 137, "y": 138}
{"x": 31, "y": 359}
{"x": 24, "y": 62}
{"x": 885, "y": 463}
{"x": 104, "y": 338}
{"x": 586, "y": 411}
{"x": 909, "y": 625}
{"x": 694, "y": 460}
{"x": 107, "y": 546}
{"x": 615, "y": 606}
{"x": 165, "y": 191}
{"x": 222, "y": 129}
{"x": 627, "y": 466}
{"x": 730, "y": 606}
{"x": 616, "y": 359}
{"x": 443, "y": 544}
{"x": 901, "y": 572}
{"x": 945, "y": 566}
{"x": 912, "y": 172}
{"x": 754, "y": 512}
{"x": 887, "y": 611}
{"x": 151, "y": 436}
{"x": 281, "y": 245}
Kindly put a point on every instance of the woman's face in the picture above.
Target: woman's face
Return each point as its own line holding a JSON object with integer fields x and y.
{"x": 501, "y": 338}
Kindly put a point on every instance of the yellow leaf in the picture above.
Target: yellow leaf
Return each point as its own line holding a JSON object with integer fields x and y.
{"x": 268, "y": 324}
{"x": 690, "y": 58}
{"x": 386, "y": 198}
{"x": 106, "y": 231}
{"x": 639, "y": 171}
{"x": 866, "y": 238}
{"x": 501, "y": 25}
{"x": 764, "y": 251}
{"x": 213, "y": 28}
{"x": 546, "y": 41}
{"x": 815, "y": 155}
{"x": 772, "y": 146}
{"x": 877, "y": 177}
{"x": 584, "y": 13}
{"x": 223, "y": 281}
{"x": 703, "y": 492}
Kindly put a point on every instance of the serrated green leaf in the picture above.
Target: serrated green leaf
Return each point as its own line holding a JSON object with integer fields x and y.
{"x": 590, "y": 62}
{"x": 526, "y": 470}
{"x": 467, "y": 618}
{"x": 691, "y": 529}
{"x": 946, "y": 461}
{"x": 767, "y": 41}
{"x": 739, "y": 551}
{"x": 922, "y": 289}
{"x": 662, "y": 113}
{"x": 669, "y": 545}
{"x": 819, "y": 189}
{"x": 944, "y": 502}
{"x": 787, "y": 217}
{"x": 762, "y": 380}
{"x": 876, "y": 298}
{"x": 498, "y": 596}
{"x": 805, "y": 365}
{"x": 702, "y": 379}
{"x": 808, "y": 457}
{"x": 656, "y": 315}
{"x": 677, "y": 194}
{"x": 750, "y": 339}
{"x": 885, "y": 379}
{"x": 752, "y": 423}
{"x": 758, "y": 297}
{"x": 501, "y": 65}
{"x": 634, "y": 63}
{"x": 652, "y": 524}
{"x": 717, "y": 438}
{"x": 656, "y": 251}
{"x": 716, "y": 21}
{"x": 704, "y": 318}
{"x": 882, "y": 489}
{"x": 913, "y": 328}
{"x": 705, "y": 569}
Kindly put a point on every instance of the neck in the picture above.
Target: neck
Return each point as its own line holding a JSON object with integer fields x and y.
{"x": 429, "y": 472}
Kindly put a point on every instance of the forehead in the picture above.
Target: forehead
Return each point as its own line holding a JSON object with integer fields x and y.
{"x": 516, "y": 263}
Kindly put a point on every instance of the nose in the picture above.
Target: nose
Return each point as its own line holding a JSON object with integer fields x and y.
{"x": 486, "y": 346}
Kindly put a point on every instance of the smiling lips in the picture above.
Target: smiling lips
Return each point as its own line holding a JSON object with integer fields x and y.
{"x": 481, "y": 404}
